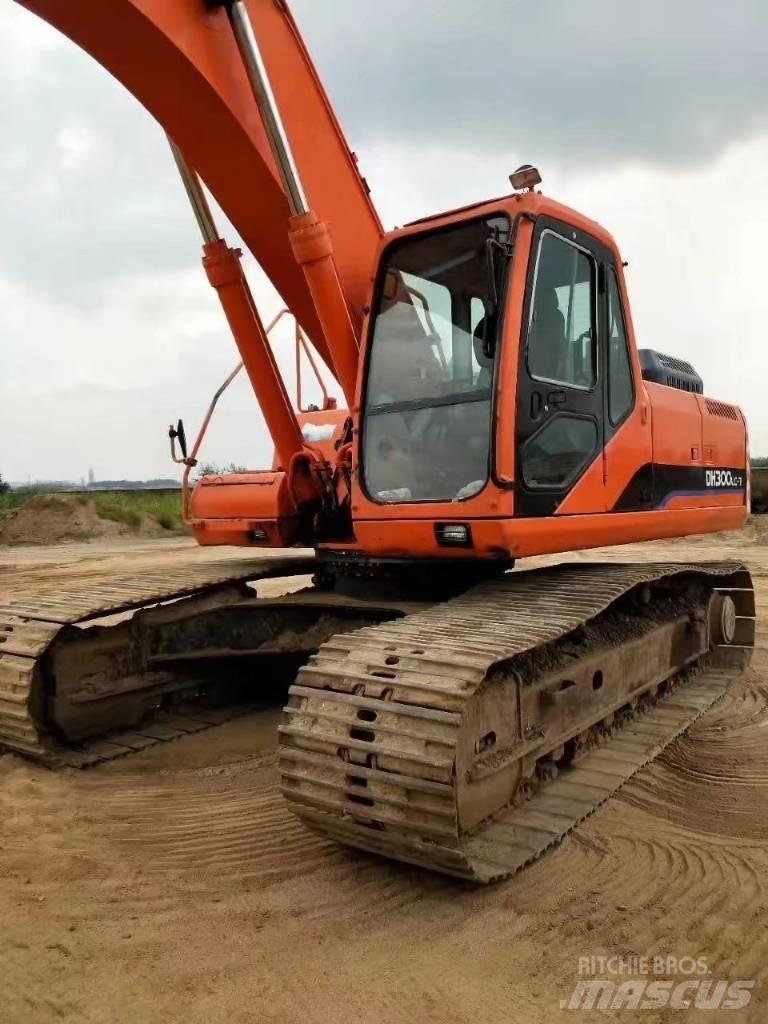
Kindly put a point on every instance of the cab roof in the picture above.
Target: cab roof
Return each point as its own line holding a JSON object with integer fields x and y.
{"x": 534, "y": 204}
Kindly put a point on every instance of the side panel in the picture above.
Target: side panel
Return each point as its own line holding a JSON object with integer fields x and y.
{"x": 676, "y": 422}
{"x": 522, "y": 538}
{"x": 723, "y": 433}
{"x": 699, "y": 456}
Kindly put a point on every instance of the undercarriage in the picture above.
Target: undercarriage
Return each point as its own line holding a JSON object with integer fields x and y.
{"x": 470, "y": 737}
{"x": 466, "y": 734}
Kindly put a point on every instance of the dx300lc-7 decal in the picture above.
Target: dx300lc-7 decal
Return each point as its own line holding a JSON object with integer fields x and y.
{"x": 728, "y": 479}
{"x": 653, "y": 486}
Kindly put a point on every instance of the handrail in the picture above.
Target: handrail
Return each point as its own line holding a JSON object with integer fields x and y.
{"x": 302, "y": 344}
{"x": 190, "y": 461}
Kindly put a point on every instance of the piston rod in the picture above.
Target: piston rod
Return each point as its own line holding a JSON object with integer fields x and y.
{"x": 196, "y": 195}
{"x": 265, "y": 100}
{"x": 309, "y": 235}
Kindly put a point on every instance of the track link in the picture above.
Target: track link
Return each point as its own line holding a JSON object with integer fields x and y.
{"x": 371, "y": 749}
{"x": 30, "y": 626}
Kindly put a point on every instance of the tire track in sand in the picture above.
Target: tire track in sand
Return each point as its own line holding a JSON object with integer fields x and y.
{"x": 677, "y": 863}
{"x": 232, "y": 821}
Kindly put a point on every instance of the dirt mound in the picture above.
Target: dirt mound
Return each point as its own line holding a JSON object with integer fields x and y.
{"x": 754, "y": 532}
{"x": 53, "y": 519}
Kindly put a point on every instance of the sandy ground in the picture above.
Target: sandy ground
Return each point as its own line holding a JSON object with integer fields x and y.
{"x": 174, "y": 886}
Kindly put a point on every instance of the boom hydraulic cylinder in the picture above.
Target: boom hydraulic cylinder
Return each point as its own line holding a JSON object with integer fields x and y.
{"x": 309, "y": 236}
{"x": 225, "y": 273}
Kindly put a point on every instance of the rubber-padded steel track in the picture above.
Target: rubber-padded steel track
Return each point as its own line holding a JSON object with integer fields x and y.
{"x": 384, "y": 705}
{"x": 30, "y": 624}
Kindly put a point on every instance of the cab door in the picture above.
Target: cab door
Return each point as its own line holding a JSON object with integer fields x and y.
{"x": 560, "y": 418}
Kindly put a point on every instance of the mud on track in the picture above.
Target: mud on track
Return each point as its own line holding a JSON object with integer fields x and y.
{"x": 174, "y": 886}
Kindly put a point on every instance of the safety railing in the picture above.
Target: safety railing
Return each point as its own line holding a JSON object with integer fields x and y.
{"x": 177, "y": 435}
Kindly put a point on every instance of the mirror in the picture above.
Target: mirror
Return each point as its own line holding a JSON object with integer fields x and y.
{"x": 182, "y": 437}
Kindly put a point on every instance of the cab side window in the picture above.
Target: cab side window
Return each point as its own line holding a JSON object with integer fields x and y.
{"x": 621, "y": 392}
{"x": 562, "y": 341}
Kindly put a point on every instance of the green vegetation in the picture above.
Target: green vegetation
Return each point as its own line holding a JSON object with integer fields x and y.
{"x": 760, "y": 486}
{"x": 135, "y": 509}
{"x": 212, "y": 469}
{"x": 4, "y": 486}
{"x": 759, "y": 463}
{"x": 14, "y": 499}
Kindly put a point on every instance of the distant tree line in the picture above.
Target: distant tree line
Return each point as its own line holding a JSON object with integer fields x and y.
{"x": 56, "y": 486}
{"x": 760, "y": 462}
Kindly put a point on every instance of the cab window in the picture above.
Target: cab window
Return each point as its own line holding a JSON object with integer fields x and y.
{"x": 427, "y": 406}
{"x": 621, "y": 392}
{"x": 562, "y": 340}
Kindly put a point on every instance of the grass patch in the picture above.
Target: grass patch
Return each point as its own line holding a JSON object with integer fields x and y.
{"x": 9, "y": 500}
{"x": 118, "y": 512}
{"x": 134, "y": 508}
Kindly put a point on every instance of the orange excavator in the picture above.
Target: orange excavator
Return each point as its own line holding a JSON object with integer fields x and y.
{"x": 444, "y": 710}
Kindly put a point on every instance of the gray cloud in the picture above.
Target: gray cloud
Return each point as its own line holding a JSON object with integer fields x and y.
{"x": 89, "y": 191}
{"x": 578, "y": 81}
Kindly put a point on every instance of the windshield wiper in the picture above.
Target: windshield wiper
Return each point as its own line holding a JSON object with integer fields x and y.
{"x": 413, "y": 404}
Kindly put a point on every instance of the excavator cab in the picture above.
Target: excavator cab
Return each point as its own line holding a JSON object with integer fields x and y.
{"x": 504, "y": 407}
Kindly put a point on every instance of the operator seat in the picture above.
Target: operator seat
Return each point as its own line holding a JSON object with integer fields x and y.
{"x": 486, "y": 324}
{"x": 547, "y": 344}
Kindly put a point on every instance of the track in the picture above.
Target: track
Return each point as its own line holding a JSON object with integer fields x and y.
{"x": 372, "y": 750}
{"x": 30, "y": 626}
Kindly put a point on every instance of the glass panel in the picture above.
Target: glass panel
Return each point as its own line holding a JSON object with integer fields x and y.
{"x": 561, "y": 336}
{"x": 476, "y": 311}
{"x": 557, "y": 454}
{"x": 432, "y": 305}
{"x": 621, "y": 393}
{"x": 427, "y": 410}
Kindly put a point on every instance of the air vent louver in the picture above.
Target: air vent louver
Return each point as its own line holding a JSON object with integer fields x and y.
{"x": 667, "y": 370}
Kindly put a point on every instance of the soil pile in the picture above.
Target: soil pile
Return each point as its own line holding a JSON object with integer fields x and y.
{"x": 54, "y": 518}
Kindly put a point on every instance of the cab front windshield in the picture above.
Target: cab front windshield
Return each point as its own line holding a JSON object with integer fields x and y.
{"x": 427, "y": 409}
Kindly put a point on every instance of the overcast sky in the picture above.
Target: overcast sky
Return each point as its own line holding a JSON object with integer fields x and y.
{"x": 652, "y": 118}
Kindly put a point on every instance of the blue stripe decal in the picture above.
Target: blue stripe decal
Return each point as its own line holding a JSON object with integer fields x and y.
{"x": 699, "y": 494}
